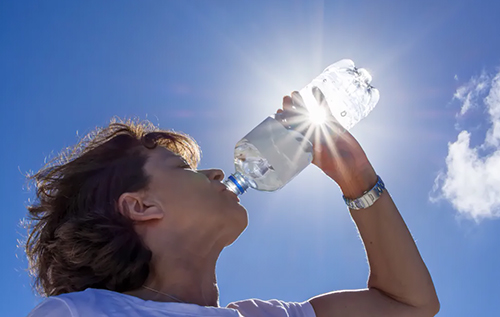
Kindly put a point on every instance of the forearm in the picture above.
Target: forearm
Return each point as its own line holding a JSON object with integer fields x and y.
{"x": 396, "y": 267}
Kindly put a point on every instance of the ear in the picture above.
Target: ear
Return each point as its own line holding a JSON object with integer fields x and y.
{"x": 133, "y": 206}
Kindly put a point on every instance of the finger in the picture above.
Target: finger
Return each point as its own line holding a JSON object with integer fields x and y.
{"x": 297, "y": 99}
{"x": 319, "y": 96}
{"x": 332, "y": 122}
{"x": 287, "y": 100}
{"x": 288, "y": 104}
{"x": 321, "y": 99}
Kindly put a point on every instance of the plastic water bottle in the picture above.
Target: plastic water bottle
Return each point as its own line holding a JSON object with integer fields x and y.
{"x": 273, "y": 153}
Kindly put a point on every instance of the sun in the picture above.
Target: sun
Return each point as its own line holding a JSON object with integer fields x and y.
{"x": 315, "y": 113}
{"x": 317, "y": 116}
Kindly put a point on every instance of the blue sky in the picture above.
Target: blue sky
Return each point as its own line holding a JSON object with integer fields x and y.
{"x": 215, "y": 69}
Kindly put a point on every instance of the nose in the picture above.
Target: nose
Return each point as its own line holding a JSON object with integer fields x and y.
{"x": 214, "y": 174}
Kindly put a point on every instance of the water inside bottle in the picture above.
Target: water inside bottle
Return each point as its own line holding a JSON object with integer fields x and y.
{"x": 271, "y": 155}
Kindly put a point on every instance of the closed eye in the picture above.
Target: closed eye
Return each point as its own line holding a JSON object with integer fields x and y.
{"x": 185, "y": 165}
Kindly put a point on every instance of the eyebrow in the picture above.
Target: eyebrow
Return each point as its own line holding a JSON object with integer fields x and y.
{"x": 172, "y": 157}
{"x": 177, "y": 157}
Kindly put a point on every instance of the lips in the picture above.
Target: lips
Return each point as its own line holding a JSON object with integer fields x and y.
{"x": 233, "y": 194}
{"x": 223, "y": 188}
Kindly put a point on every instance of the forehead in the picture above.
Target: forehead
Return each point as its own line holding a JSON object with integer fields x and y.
{"x": 160, "y": 155}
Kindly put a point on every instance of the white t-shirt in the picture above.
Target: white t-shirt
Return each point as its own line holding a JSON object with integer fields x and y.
{"x": 98, "y": 302}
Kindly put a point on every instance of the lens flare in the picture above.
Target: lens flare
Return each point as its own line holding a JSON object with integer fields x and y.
{"x": 317, "y": 116}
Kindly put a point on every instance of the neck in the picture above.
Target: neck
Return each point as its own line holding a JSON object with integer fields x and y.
{"x": 188, "y": 277}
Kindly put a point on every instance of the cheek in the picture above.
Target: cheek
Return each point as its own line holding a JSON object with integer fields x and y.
{"x": 183, "y": 195}
{"x": 188, "y": 192}
{"x": 170, "y": 193}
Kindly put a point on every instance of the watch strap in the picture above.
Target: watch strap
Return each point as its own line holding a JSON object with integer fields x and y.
{"x": 369, "y": 197}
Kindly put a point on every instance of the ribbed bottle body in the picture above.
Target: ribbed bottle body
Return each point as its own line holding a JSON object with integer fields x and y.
{"x": 347, "y": 91}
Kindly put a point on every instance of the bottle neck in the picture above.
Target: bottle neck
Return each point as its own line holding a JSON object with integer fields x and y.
{"x": 237, "y": 183}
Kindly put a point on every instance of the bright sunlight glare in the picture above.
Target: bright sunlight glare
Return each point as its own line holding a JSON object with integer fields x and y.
{"x": 317, "y": 116}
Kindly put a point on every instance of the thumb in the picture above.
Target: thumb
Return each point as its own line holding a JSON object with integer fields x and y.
{"x": 322, "y": 102}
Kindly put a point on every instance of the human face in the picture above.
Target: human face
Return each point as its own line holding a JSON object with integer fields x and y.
{"x": 194, "y": 202}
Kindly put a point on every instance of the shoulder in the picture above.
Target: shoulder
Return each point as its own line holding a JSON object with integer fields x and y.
{"x": 52, "y": 306}
{"x": 273, "y": 307}
{"x": 90, "y": 302}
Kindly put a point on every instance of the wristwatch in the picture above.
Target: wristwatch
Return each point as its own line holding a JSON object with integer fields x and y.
{"x": 368, "y": 198}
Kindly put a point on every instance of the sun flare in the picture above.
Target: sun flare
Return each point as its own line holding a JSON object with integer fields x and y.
{"x": 317, "y": 116}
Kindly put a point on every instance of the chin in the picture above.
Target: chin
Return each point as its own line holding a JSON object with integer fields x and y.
{"x": 239, "y": 224}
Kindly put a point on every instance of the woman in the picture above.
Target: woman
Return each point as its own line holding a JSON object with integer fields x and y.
{"x": 126, "y": 226}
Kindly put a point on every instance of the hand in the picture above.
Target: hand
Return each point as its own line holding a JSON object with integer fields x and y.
{"x": 335, "y": 151}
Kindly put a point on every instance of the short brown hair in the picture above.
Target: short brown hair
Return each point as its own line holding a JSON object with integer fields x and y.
{"x": 76, "y": 237}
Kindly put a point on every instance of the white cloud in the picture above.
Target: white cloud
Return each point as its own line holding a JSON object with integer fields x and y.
{"x": 471, "y": 182}
{"x": 493, "y": 103}
{"x": 470, "y": 92}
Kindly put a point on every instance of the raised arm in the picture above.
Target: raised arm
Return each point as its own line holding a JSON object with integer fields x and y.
{"x": 399, "y": 283}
